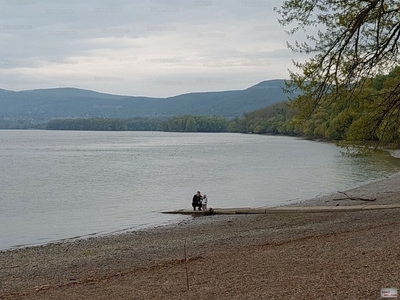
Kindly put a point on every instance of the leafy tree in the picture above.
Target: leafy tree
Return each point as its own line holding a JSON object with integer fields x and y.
{"x": 237, "y": 125}
{"x": 145, "y": 124}
{"x": 272, "y": 119}
{"x": 103, "y": 124}
{"x": 354, "y": 46}
{"x": 191, "y": 124}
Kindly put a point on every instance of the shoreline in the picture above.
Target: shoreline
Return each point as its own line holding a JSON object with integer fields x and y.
{"x": 20, "y": 239}
{"x": 379, "y": 188}
{"x": 230, "y": 256}
{"x": 324, "y": 200}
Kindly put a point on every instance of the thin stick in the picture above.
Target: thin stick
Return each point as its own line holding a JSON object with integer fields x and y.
{"x": 352, "y": 198}
{"x": 186, "y": 267}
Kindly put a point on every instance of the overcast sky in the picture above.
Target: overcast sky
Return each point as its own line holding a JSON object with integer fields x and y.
{"x": 154, "y": 48}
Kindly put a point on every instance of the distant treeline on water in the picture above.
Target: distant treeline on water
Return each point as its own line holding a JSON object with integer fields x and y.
{"x": 273, "y": 119}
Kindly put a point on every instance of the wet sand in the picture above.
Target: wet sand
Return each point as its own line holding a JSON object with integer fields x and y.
{"x": 346, "y": 255}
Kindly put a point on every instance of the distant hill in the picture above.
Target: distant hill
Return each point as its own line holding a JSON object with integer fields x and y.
{"x": 44, "y": 104}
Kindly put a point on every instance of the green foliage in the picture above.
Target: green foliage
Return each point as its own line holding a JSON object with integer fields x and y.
{"x": 363, "y": 120}
{"x": 144, "y": 124}
{"x": 197, "y": 124}
{"x": 272, "y": 119}
{"x": 346, "y": 90}
{"x": 21, "y": 124}
{"x": 98, "y": 124}
{"x": 177, "y": 124}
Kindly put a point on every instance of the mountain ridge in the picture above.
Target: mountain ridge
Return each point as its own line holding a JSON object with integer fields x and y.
{"x": 70, "y": 102}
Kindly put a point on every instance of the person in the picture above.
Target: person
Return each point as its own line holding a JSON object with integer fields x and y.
{"x": 204, "y": 202}
{"x": 196, "y": 202}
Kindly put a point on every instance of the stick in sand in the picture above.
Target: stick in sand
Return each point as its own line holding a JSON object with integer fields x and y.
{"x": 186, "y": 268}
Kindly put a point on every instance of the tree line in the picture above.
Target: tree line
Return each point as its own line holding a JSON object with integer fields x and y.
{"x": 185, "y": 123}
{"x": 272, "y": 119}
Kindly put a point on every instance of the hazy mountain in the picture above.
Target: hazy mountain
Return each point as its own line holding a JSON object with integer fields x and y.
{"x": 45, "y": 104}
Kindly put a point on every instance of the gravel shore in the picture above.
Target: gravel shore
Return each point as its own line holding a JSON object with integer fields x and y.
{"x": 330, "y": 255}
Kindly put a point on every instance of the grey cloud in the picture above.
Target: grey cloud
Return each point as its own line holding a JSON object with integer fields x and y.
{"x": 56, "y": 43}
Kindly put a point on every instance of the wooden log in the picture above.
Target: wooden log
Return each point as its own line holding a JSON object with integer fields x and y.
{"x": 352, "y": 198}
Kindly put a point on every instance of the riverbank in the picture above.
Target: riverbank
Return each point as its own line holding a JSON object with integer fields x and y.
{"x": 347, "y": 255}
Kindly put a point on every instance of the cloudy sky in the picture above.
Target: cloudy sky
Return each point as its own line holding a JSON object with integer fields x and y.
{"x": 154, "y": 48}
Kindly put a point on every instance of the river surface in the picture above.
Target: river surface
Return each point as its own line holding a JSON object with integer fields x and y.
{"x": 57, "y": 185}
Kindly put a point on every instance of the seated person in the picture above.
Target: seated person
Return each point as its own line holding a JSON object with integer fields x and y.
{"x": 196, "y": 202}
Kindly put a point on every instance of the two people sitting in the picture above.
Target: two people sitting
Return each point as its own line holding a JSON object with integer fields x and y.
{"x": 199, "y": 201}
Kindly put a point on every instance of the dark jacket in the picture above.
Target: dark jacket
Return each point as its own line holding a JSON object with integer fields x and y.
{"x": 196, "y": 200}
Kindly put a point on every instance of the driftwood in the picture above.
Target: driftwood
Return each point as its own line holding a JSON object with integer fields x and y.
{"x": 353, "y": 198}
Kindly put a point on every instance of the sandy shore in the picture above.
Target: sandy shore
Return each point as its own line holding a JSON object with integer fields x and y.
{"x": 346, "y": 255}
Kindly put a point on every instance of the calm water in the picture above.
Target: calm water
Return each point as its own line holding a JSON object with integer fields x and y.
{"x": 65, "y": 184}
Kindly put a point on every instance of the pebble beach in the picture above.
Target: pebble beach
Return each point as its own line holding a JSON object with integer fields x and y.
{"x": 324, "y": 255}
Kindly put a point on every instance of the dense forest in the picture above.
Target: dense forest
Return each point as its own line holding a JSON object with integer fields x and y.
{"x": 273, "y": 119}
{"x": 176, "y": 124}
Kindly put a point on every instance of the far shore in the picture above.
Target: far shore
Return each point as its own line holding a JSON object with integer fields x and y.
{"x": 346, "y": 255}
